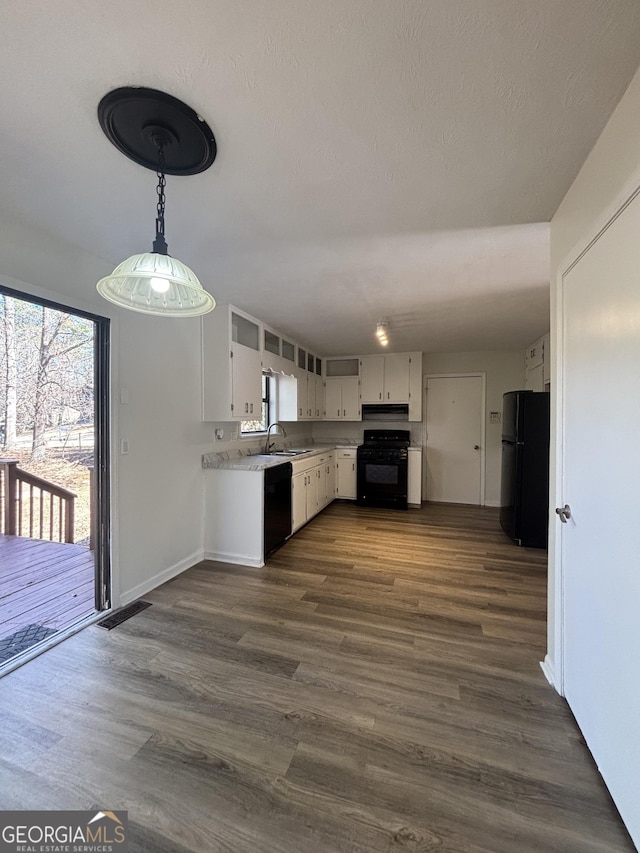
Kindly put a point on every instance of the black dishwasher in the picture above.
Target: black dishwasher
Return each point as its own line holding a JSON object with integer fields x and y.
{"x": 277, "y": 506}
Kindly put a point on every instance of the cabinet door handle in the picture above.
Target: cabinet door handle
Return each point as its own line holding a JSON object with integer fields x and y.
{"x": 246, "y": 408}
{"x": 388, "y": 394}
{"x": 301, "y": 411}
{"x": 344, "y": 413}
{"x": 380, "y": 396}
{"x": 252, "y": 408}
{"x": 338, "y": 412}
{"x": 353, "y": 466}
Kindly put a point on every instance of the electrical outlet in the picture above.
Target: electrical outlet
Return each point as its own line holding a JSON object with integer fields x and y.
{"x": 124, "y": 447}
{"x": 219, "y": 434}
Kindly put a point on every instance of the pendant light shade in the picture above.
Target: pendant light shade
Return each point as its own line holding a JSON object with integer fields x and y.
{"x": 156, "y": 284}
{"x": 158, "y": 132}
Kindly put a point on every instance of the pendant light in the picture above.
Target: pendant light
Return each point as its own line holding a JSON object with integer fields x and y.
{"x": 161, "y": 133}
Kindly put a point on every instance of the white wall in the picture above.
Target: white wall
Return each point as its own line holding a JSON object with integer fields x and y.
{"x": 157, "y": 511}
{"x": 613, "y": 160}
{"x": 504, "y": 372}
{"x": 351, "y": 432}
{"x": 298, "y": 435}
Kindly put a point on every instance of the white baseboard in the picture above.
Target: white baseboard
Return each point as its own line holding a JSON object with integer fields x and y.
{"x": 492, "y": 503}
{"x": 162, "y": 577}
{"x": 236, "y": 559}
{"x": 546, "y": 666}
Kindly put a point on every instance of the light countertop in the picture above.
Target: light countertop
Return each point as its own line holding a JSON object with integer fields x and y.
{"x": 256, "y": 462}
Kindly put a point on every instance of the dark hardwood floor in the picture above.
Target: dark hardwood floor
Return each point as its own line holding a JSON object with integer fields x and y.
{"x": 376, "y": 687}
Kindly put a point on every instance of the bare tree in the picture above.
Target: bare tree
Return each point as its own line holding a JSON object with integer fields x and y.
{"x": 11, "y": 376}
{"x": 58, "y": 339}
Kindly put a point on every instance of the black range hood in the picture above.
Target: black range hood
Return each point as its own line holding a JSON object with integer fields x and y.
{"x": 385, "y": 411}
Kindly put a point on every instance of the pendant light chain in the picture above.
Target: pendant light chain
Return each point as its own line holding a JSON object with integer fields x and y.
{"x": 160, "y": 244}
{"x": 162, "y": 182}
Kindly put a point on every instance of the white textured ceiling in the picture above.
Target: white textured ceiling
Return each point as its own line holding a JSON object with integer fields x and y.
{"x": 392, "y": 159}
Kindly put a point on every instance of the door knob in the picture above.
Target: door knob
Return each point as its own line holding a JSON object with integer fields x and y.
{"x": 476, "y": 447}
{"x": 564, "y": 512}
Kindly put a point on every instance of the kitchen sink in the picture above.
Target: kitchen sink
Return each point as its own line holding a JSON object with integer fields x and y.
{"x": 288, "y": 452}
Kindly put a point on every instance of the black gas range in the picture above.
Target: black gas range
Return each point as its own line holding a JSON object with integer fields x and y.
{"x": 383, "y": 467}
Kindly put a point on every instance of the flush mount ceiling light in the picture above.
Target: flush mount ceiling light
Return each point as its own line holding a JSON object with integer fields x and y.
{"x": 161, "y": 133}
{"x": 381, "y": 333}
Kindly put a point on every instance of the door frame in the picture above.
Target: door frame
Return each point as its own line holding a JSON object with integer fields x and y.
{"x": 102, "y": 457}
{"x": 553, "y": 664}
{"x": 479, "y": 374}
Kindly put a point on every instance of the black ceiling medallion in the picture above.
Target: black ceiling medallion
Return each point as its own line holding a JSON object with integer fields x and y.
{"x": 137, "y": 119}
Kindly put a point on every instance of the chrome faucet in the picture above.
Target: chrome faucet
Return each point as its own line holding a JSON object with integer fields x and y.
{"x": 267, "y": 446}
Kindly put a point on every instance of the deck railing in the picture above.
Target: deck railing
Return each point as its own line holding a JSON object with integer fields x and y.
{"x": 33, "y": 507}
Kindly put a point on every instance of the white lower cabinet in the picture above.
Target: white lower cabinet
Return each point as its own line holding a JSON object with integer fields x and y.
{"x": 234, "y": 516}
{"x": 311, "y": 488}
{"x": 330, "y": 484}
{"x": 298, "y": 500}
{"x": 346, "y": 473}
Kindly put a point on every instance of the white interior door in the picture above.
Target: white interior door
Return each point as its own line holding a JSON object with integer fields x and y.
{"x": 600, "y": 543}
{"x": 454, "y": 439}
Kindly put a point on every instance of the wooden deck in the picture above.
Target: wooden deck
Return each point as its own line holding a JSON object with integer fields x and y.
{"x": 43, "y": 583}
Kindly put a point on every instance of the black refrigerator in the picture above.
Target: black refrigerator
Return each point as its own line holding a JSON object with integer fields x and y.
{"x": 524, "y": 503}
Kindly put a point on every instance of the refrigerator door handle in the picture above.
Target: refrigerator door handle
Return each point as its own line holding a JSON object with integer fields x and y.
{"x": 564, "y": 512}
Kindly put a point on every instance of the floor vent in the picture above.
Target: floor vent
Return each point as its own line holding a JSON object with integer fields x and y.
{"x": 120, "y": 616}
{"x": 22, "y": 640}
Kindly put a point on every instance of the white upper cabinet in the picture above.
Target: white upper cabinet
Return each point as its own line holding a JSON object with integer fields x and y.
{"x": 342, "y": 398}
{"x": 415, "y": 386}
{"x": 231, "y": 365}
{"x": 301, "y": 398}
{"x": 385, "y": 378}
{"x": 534, "y": 355}
{"x": 246, "y": 383}
{"x": 546, "y": 359}
{"x": 396, "y": 377}
{"x": 372, "y": 378}
{"x": 537, "y": 363}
